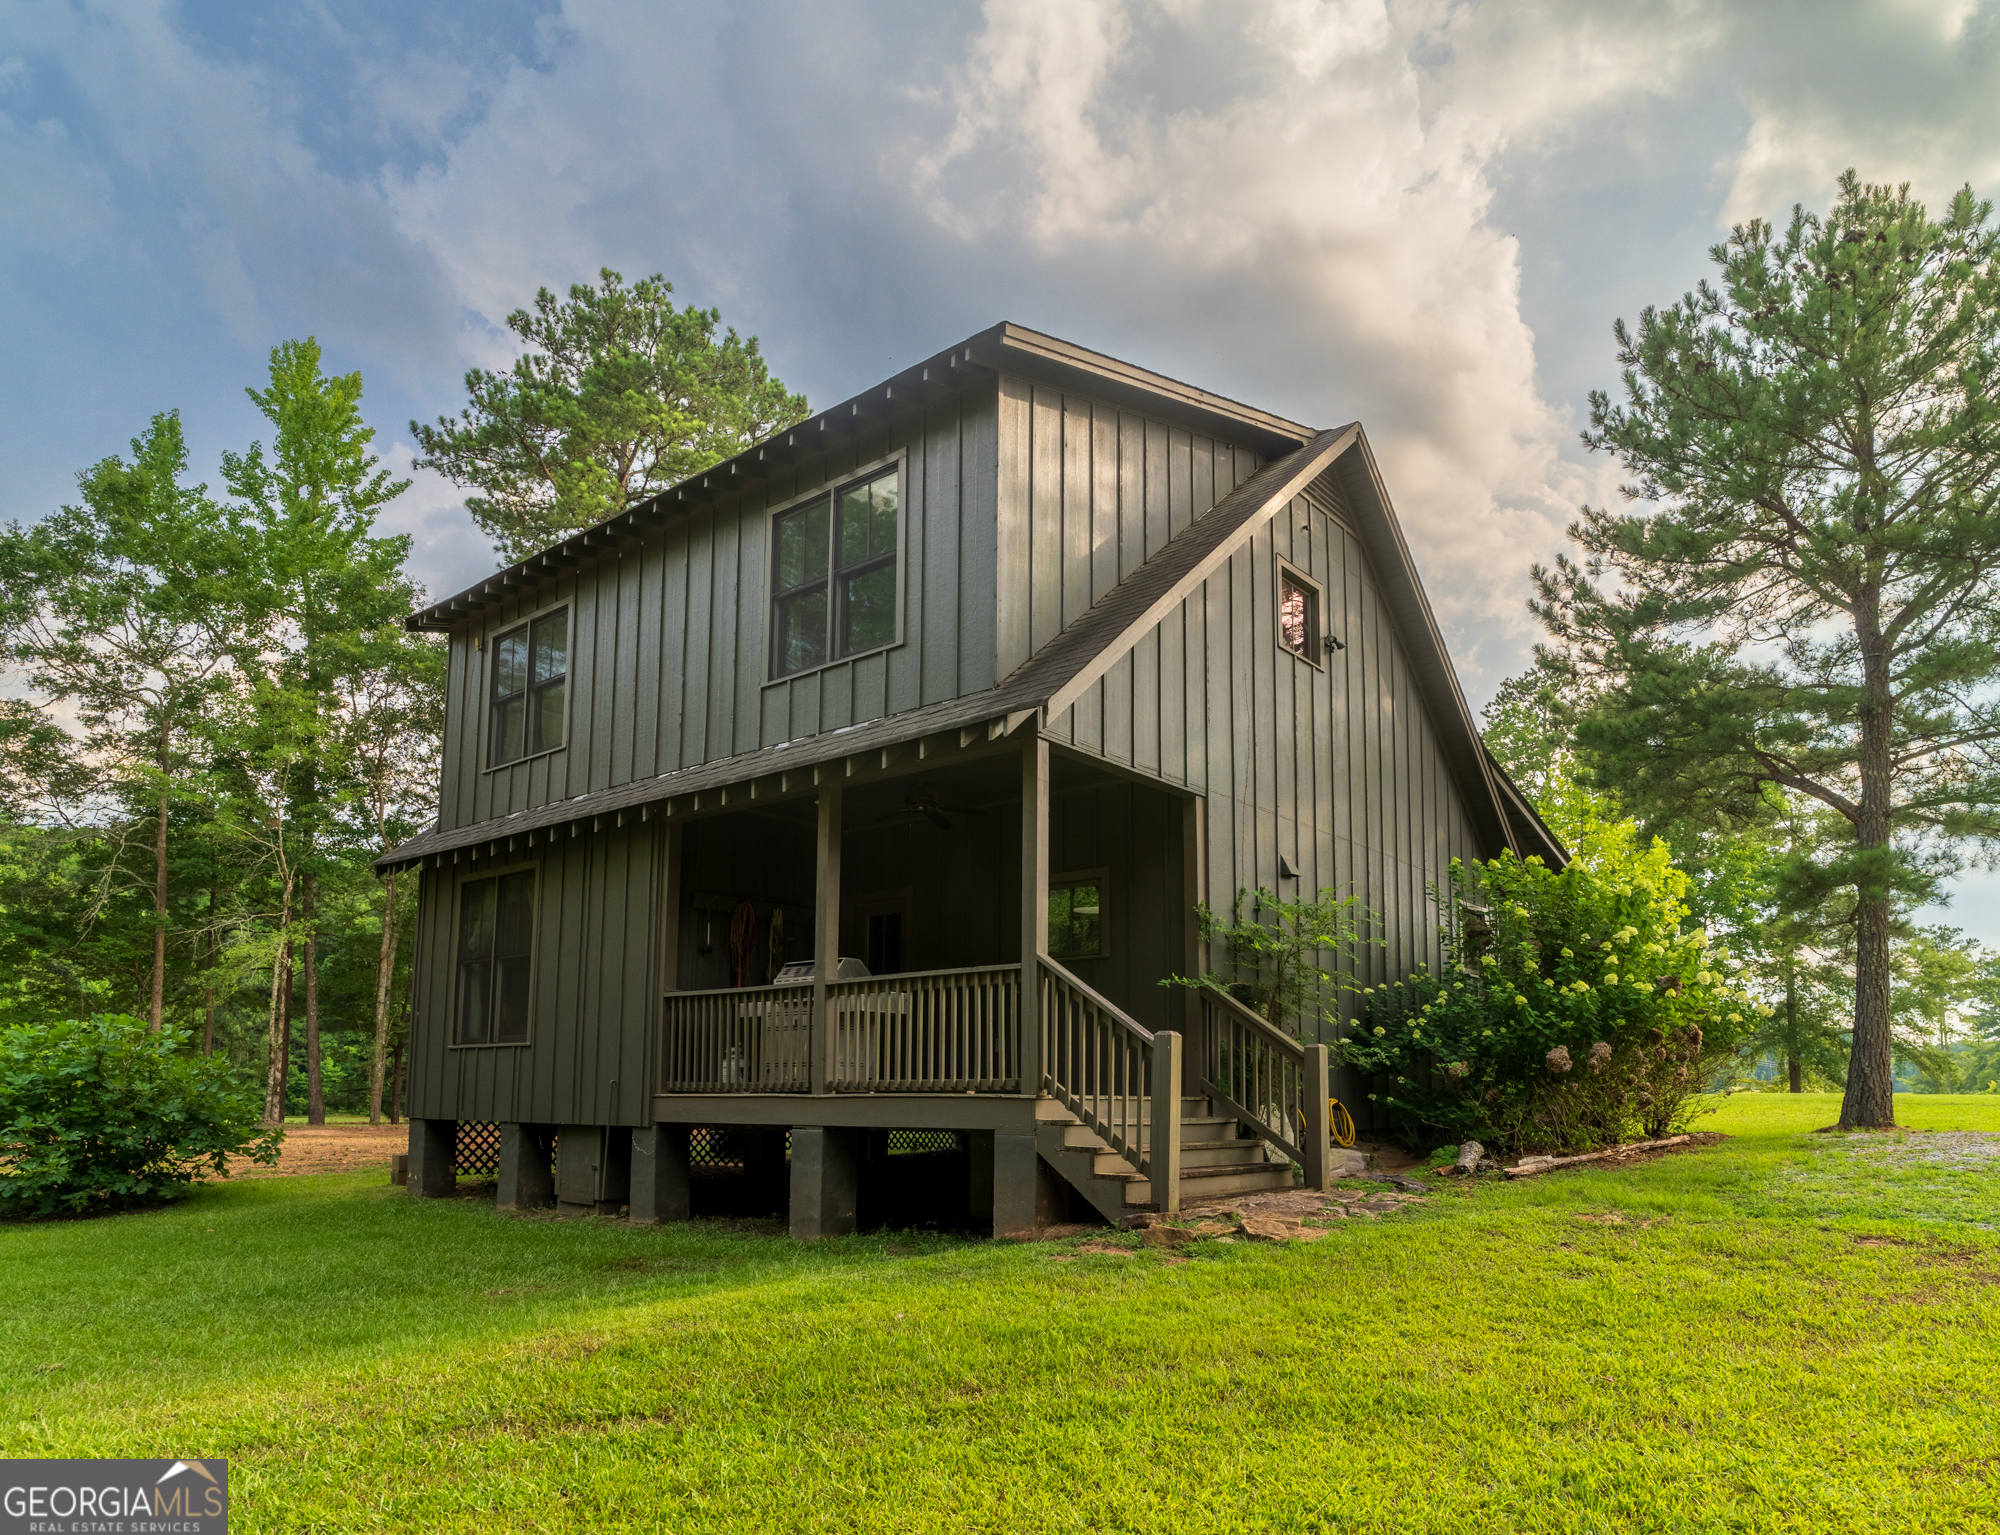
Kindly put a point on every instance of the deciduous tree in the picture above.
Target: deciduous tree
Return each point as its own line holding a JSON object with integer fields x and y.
{"x": 116, "y": 612}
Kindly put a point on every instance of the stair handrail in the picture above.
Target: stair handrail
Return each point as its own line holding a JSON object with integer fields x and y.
{"x": 1146, "y": 1127}
{"x": 1307, "y": 1096}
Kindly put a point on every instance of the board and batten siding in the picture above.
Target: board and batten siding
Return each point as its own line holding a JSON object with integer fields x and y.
{"x": 588, "y": 1060}
{"x": 1088, "y": 492}
{"x": 1338, "y": 767}
{"x": 667, "y": 658}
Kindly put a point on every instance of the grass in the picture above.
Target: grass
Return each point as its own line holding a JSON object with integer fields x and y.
{"x": 1782, "y": 1332}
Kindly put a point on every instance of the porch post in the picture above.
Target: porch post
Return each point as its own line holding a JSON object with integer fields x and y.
{"x": 1034, "y": 905}
{"x": 1193, "y": 893}
{"x": 672, "y": 841}
{"x": 1163, "y": 1147}
{"x": 1319, "y": 1145}
{"x": 826, "y": 931}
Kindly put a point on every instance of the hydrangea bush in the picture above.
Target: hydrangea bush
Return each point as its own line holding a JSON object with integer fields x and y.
{"x": 1577, "y": 1010}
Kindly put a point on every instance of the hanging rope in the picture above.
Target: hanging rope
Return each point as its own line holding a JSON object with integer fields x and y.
{"x": 742, "y": 937}
{"x": 777, "y": 958}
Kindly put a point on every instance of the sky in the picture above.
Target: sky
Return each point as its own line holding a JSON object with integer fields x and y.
{"x": 1423, "y": 215}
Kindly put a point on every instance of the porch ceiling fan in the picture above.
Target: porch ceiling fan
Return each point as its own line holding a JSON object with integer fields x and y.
{"x": 929, "y": 804}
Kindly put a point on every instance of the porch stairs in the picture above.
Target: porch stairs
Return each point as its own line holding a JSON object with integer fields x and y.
{"x": 1214, "y": 1163}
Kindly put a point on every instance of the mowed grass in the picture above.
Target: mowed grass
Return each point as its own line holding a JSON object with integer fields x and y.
{"x": 1782, "y": 1332}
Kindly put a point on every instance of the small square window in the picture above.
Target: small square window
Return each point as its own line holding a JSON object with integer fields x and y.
{"x": 1079, "y": 916}
{"x": 834, "y": 576}
{"x": 496, "y": 936}
{"x": 1298, "y": 615}
{"x": 530, "y": 677}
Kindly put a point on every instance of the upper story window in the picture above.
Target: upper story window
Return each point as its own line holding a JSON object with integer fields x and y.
{"x": 496, "y": 937}
{"x": 833, "y": 577}
{"x": 530, "y": 667}
{"x": 1299, "y": 621}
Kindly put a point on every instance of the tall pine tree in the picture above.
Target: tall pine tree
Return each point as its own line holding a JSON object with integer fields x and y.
{"x": 1809, "y": 595}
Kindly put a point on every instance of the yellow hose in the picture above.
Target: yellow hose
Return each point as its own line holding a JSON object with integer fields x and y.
{"x": 1340, "y": 1122}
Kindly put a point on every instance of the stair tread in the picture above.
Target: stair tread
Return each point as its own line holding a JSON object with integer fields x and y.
{"x": 1227, "y": 1170}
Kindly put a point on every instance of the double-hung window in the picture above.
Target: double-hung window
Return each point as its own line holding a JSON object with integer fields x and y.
{"x": 496, "y": 939}
{"x": 530, "y": 668}
{"x": 834, "y": 575}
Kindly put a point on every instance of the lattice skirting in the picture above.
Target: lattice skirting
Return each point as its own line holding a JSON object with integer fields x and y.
{"x": 905, "y": 1141}
{"x": 718, "y": 1146}
{"x": 478, "y": 1148}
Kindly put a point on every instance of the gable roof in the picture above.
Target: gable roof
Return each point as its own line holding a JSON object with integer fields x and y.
{"x": 1003, "y": 348}
{"x": 1056, "y": 675}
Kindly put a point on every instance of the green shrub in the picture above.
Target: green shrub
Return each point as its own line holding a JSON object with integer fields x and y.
{"x": 99, "y": 1115}
{"x": 1576, "y": 1014}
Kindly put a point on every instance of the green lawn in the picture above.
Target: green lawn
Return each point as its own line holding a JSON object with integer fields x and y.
{"x": 1782, "y": 1332}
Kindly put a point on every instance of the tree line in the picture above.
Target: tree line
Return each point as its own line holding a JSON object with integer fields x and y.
{"x": 216, "y": 720}
{"x": 1781, "y": 660}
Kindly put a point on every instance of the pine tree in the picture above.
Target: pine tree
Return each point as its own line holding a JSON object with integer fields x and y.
{"x": 1808, "y": 596}
{"x": 621, "y": 396}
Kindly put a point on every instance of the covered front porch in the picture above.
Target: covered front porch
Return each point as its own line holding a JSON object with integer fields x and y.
{"x": 970, "y": 941}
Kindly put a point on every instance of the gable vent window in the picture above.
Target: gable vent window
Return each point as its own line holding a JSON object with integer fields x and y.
{"x": 833, "y": 582}
{"x": 496, "y": 936}
{"x": 1299, "y": 621}
{"x": 530, "y": 669}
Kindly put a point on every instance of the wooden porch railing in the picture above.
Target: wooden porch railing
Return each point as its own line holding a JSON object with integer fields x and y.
{"x": 1267, "y": 1079}
{"x": 746, "y": 1039}
{"x": 1122, "y": 1081}
{"x": 932, "y": 1031}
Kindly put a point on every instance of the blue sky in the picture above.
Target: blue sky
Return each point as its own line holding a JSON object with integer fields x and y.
{"x": 1422, "y": 214}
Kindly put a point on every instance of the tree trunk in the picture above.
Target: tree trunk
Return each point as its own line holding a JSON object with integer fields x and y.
{"x": 1870, "y": 1099}
{"x": 385, "y": 968}
{"x": 274, "y": 1070}
{"x": 285, "y": 1018}
{"x": 208, "y": 971}
{"x": 402, "y": 1061}
{"x": 315, "y": 1093}
{"x": 160, "y": 915}
{"x": 396, "y": 1101}
{"x": 1793, "y": 1064}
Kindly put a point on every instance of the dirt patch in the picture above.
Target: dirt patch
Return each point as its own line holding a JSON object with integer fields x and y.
{"x": 1970, "y": 1149}
{"x": 1391, "y": 1156}
{"x": 330, "y": 1149}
